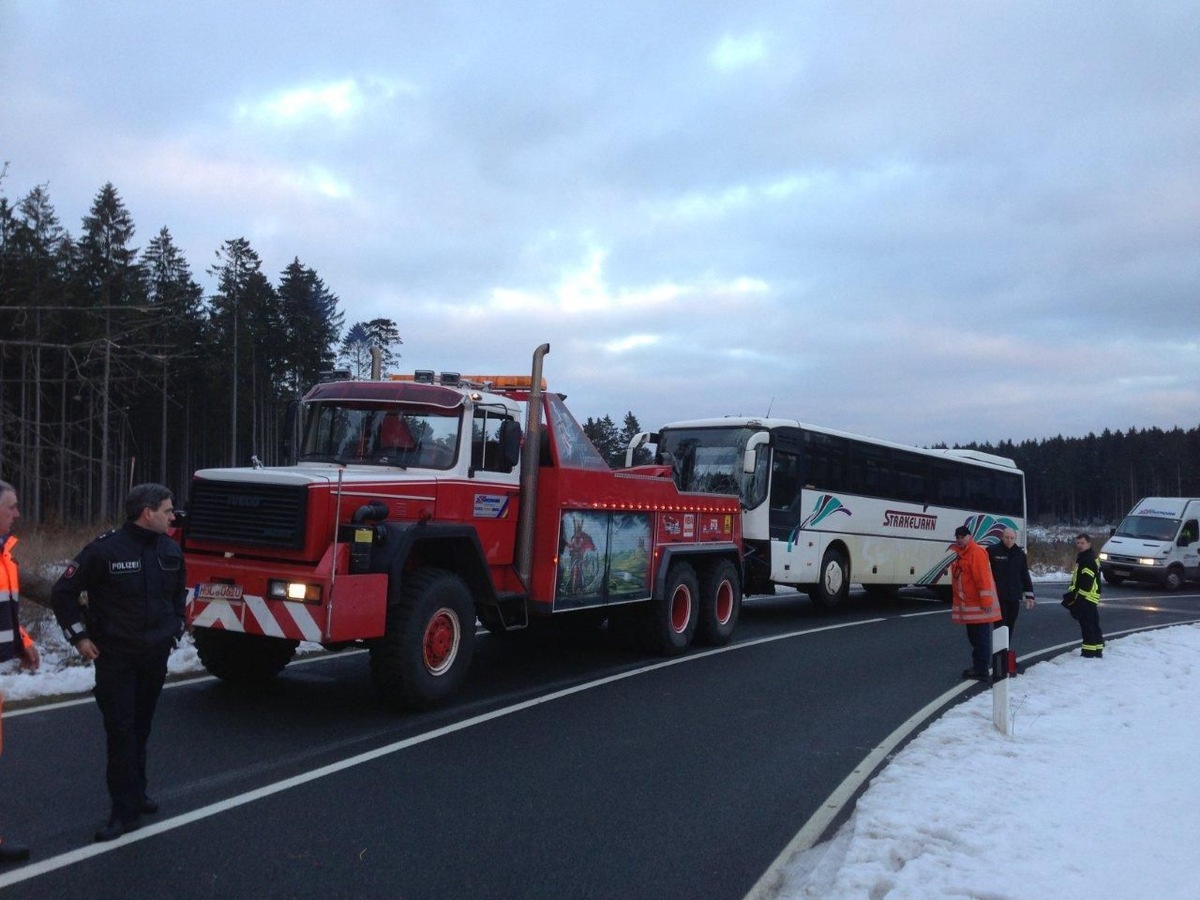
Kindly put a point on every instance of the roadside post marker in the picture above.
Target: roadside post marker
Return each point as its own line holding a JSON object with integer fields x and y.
{"x": 1001, "y": 714}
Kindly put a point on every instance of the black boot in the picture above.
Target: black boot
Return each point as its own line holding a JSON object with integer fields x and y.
{"x": 11, "y": 853}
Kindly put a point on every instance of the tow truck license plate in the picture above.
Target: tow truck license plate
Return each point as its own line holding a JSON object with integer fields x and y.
{"x": 219, "y": 592}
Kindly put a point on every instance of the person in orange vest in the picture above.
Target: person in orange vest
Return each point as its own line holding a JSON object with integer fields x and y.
{"x": 975, "y": 602}
{"x": 14, "y": 640}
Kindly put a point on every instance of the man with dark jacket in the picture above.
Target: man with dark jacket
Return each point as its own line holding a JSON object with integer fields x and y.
{"x": 136, "y": 585}
{"x": 1082, "y": 598}
{"x": 1010, "y": 569}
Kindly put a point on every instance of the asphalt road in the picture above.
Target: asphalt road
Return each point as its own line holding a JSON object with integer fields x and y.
{"x": 567, "y": 768}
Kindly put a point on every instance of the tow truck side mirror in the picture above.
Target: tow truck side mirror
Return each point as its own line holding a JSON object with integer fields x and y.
{"x": 510, "y": 442}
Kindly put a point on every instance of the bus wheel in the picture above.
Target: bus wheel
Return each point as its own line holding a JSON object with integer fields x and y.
{"x": 1114, "y": 580}
{"x": 1174, "y": 579}
{"x": 428, "y": 641}
{"x": 242, "y": 658}
{"x": 671, "y": 618}
{"x": 834, "y": 585}
{"x": 720, "y": 603}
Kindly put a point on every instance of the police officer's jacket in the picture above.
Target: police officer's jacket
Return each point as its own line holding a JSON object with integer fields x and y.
{"x": 136, "y": 585}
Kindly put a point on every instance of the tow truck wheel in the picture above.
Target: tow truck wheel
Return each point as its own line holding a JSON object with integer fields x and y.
{"x": 834, "y": 584}
{"x": 428, "y": 641}
{"x": 242, "y": 658}
{"x": 671, "y": 618}
{"x": 720, "y": 603}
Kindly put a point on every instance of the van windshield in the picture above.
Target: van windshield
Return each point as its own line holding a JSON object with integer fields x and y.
{"x": 1148, "y": 528}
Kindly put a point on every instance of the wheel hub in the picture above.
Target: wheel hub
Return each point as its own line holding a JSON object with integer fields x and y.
{"x": 440, "y": 643}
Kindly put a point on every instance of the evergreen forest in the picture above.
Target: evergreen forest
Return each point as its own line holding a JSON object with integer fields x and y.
{"x": 116, "y": 368}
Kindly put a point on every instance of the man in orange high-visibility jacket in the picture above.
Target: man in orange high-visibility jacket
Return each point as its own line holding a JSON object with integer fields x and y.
{"x": 14, "y": 642}
{"x": 975, "y": 602}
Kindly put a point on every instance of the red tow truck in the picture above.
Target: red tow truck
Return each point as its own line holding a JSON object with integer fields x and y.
{"x": 419, "y": 504}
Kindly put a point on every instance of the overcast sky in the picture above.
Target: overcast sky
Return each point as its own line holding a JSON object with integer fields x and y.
{"x": 924, "y": 221}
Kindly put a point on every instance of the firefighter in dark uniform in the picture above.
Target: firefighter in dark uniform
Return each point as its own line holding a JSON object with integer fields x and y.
{"x": 135, "y": 583}
{"x": 1082, "y": 598}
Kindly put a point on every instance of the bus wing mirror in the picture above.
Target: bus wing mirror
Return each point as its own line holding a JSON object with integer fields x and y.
{"x": 750, "y": 456}
{"x": 640, "y": 440}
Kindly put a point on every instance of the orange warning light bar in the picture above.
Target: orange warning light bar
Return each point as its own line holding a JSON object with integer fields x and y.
{"x": 454, "y": 379}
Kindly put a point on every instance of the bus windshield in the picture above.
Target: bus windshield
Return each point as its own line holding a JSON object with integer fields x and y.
{"x": 1150, "y": 528}
{"x": 709, "y": 461}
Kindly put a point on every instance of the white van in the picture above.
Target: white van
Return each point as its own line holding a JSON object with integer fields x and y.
{"x": 1158, "y": 541}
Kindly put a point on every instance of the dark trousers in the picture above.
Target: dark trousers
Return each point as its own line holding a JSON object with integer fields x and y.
{"x": 127, "y": 689}
{"x": 980, "y": 637}
{"x": 1008, "y": 613}
{"x": 1088, "y": 615}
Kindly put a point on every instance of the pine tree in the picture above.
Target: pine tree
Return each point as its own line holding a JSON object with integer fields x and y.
{"x": 355, "y": 350}
{"x": 246, "y": 325}
{"x": 177, "y": 303}
{"x": 312, "y": 323}
{"x": 110, "y": 281}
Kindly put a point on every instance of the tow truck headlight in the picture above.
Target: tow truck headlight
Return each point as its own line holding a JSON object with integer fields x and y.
{"x": 1148, "y": 561}
{"x": 295, "y": 591}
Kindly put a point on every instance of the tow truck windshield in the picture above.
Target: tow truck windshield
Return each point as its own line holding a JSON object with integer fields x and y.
{"x": 383, "y": 435}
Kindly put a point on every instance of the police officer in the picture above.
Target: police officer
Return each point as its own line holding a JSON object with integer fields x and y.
{"x": 136, "y": 584}
{"x": 1010, "y": 571}
{"x": 14, "y": 641}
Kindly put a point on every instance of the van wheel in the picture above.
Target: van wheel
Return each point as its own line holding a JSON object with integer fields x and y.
{"x": 834, "y": 585}
{"x": 720, "y": 603}
{"x": 1174, "y": 579}
{"x": 428, "y": 641}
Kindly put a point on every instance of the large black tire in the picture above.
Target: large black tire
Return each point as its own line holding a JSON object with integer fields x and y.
{"x": 670, "y": 619}
{"x": 428, "y": 641}
{"x": 1174, "y": 580}
{"x": 1114, "y": 580}
{"x": 833, "y": 587}
{"x": 244, "y": 659}
{"x": 720, "y": 603}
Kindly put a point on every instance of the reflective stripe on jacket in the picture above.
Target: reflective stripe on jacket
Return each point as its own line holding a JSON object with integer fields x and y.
{"x": 1085, "y": 579}
{"x": 975, "y": 600}
{"x": 13, "y": 639}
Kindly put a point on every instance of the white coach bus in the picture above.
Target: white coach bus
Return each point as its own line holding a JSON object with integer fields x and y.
{"x": 822, "y": 508}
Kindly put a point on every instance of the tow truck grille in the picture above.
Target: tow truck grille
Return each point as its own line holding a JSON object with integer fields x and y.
{"x": 254, "y": 515}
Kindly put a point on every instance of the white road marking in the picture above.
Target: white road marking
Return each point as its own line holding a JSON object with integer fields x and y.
{"x": 161, "y": 827}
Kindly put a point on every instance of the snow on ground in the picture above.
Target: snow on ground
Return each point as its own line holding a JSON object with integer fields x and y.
{"x": 1092, "y": 796}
